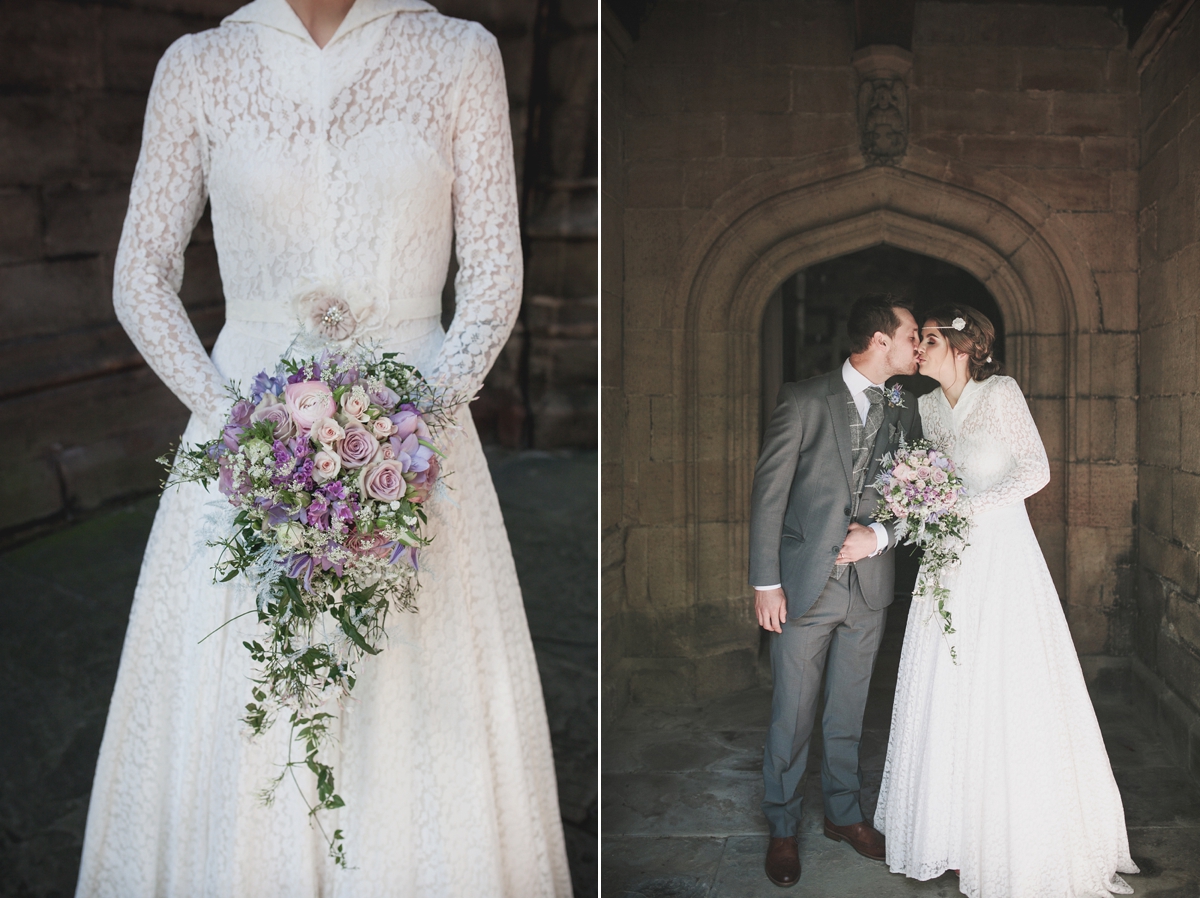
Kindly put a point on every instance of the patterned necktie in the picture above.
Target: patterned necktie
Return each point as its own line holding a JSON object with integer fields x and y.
{"x": 862, "y": 437}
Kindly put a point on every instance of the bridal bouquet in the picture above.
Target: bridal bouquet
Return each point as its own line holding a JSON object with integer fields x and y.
{"x": 920, "y": 489}
{"x": 326, "y": 465}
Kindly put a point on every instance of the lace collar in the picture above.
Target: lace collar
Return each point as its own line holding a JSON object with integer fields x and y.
{"x": 966, "y": 399}
{"x": 278, "y": 14}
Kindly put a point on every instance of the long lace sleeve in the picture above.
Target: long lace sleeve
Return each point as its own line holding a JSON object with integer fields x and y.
{"x": 1012, "y": 425}
{"x": 487, "y": 234}
{"x": 165, "y": 202}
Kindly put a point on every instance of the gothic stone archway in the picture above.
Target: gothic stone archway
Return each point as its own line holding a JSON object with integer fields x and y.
{"x": 702, "y": 634}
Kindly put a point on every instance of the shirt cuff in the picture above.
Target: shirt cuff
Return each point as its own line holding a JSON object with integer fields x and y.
{"x": 776, "y": 586}
{"x": 881, "y": 539}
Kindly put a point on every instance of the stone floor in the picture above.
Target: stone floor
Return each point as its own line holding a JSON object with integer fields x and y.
{"x": 65, "y": 605}
{"x": 681, "y": 787}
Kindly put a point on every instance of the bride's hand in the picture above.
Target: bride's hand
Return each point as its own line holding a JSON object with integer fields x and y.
{"x": 770, "y": 607}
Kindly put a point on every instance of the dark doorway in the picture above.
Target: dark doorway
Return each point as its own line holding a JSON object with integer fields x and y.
{"x": 804, "y": 325}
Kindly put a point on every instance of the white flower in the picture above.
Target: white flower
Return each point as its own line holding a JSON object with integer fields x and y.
{"x": 959, "y": 323}
{"x": 290, "y": 534}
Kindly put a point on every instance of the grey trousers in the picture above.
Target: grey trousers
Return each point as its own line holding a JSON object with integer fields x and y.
{"x": 839, "y": 637}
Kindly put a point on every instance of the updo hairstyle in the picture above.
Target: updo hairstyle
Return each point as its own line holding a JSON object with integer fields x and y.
{"x": 976, "y": 339}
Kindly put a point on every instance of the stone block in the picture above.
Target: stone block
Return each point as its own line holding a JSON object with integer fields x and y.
{"x": 1123, "y": 192}
{"x": 673, "y": 136}
{"x": 1114, "y": 364}
{"x": 55, "y": 295}
{"x": 967, "y": 67}
{"x": 663, "y": 435}
{"x": 783, "y": 33}
{"x": 1177, "y": 218}
{"x": 1058, "y": 69}
{"x": 111, "y": 134}
{"x": 1185, "y": 501}
{"x": 656, "y": 489}
{"x": 1095, "y": 430}
{"x": 787, "y": 136}
{"x": 1189, "y": 433}
{"x": 667, "y": 579}
{"x": 649, "y": 362}
{"x": 1118, "y": 300}
{"x": 1180, "y": 669}
{"x": 1126, "y": 431}
{"x": 133, "y": 42}
{"x": 966, "y": 112}
{"x": 20, "y": 225}
{"x": 725, "y": 673}
{"x": 1072, "y": 190}
{"x": 1118, "y": 153}
{"x": 1035, "y": 26}
{"x": 1047, "y": 504}
{"x": 612, "y": 262}
{"x": 1035, "y": 151}
{"x": 31, "y": 490}
{"x": 821, "y": 91}
{"x": 84, "y": 219}
{"x": 1048, "y": 418}
{"x": 666, "y": 90}
{"x": 611, "y": 495}
{"x": 1092, "y": 565}
{"x": 1169, "y": 561}
{"x": 1183, "y": 619}
{"x": 1103, "y": 495}
{"x": 655, "y": 183}
{"x": 1108, "y": 239}
{"x": 50, "y": 46}
{"x": 1162, "y": 129}
{"x": 1149, "y": 616}
{"x": 637, "y": 561}
{"x": 1155, "y": 499}
{"x": 1159, "y": 175}
{"x": 38, "y": 139}
{"x": 676, "y": 33}
{"x": 1089, "y": 628}
{"x": 704, "y": 180}
{"x": 667, "y": 682}
{"x": 652, "y": 238}
{"x": 1159, "y": 430}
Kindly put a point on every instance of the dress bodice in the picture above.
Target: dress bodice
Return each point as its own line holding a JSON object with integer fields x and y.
{"x": 993, "y": 440}
{"x": 351, "y": 168}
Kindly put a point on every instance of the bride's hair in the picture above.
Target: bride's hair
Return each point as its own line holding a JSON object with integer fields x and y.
{"x": 977, "y": 338}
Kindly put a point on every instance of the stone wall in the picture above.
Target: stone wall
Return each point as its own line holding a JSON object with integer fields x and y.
{"x": 73, "y": 83}
{"x": 1167, "y": 633}
{"x": 615, "y": 45}
{"x": 741, "y": 137}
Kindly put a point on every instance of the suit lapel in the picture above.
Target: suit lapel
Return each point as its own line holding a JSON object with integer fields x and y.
{"x": 839, "y": 395}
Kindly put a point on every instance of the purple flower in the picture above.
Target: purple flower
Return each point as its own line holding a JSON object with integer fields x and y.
{"x": 334, "y": 490}
{"x": 240, "y": 413}
{"x": 384, "y": 397}
{"x": 230, "y": 436}
{"x": 317, "y": 513}
{"x": 263, "y": 384}
{"x": 301, "y": 565}
{"x": 357, "y": 448}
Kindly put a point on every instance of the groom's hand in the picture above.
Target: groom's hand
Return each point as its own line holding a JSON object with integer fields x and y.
{"x": 770, "y": 606}
{"x": 860, "y": 542}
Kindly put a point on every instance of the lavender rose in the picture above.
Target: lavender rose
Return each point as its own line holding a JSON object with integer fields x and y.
{"x": 358, "y": 446}
{"x": 384, "y": 481}
{"x": 308, "y": 401}
{"x": 383, "y": 396}
{"x": 240, "y": 413}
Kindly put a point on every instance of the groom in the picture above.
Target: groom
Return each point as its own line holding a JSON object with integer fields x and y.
{"x": 822, "y": 571}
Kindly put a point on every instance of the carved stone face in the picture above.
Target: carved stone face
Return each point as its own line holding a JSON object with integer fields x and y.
{"x": 883, "y": 120}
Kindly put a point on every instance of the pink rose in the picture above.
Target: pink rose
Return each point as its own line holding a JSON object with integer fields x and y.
{"x": 382, "y": 428}
{"x": 902, "y": 472}
{"x": 372, "y": 544}
{"x": 939, "y": 476}
{"x": 355, "y": 403}
{"x": 327, "y": 431}
{"x": 384, "y": 481}
{"x": 326, "y": 466}
{"x": 358, "y": 446}
{"x": 271, "y": 409}
{"x": 925, "y": 472}
{"x": 309, "y": 401}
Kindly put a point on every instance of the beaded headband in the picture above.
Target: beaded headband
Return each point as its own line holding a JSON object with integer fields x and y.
{"x": 957, "y": 324}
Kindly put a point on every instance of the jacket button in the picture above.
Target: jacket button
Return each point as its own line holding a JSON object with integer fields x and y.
{"x": 846, "y": 510}
{"x": 836, "y": 549}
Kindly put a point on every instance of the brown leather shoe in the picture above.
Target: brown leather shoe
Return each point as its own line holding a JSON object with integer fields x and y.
{"x": 863, "y": 838}
{"x": 783, "y": 861}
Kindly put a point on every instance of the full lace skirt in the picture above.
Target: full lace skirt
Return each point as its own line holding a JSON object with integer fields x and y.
{"x": 996, "y": 766}
{"x": 443, "y": 753}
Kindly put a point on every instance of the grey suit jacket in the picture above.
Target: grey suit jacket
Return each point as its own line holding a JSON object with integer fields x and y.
{"x": 800, "y": 506}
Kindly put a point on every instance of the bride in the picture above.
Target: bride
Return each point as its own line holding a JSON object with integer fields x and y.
{"x": 342, "y": 146}
{"x": 996, "y": 766}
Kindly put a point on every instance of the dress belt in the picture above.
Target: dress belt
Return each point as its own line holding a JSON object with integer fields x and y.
{"x": 400, "y": 315}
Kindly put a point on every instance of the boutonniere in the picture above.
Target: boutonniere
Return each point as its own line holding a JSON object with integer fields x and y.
{"x": 894, "y": 396}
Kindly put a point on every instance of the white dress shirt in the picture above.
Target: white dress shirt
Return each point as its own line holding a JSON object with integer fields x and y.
{"x": 857, "y": 383}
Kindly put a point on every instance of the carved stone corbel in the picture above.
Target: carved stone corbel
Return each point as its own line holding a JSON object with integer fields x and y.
{"x": 882, "y": 102}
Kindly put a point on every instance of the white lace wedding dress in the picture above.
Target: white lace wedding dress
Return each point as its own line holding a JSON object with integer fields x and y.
{"x": 355, "y": 166}
{"x": 996, "y": 766}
